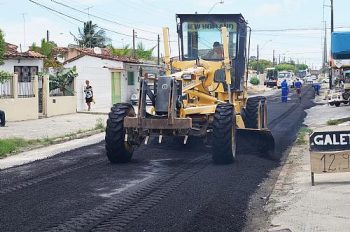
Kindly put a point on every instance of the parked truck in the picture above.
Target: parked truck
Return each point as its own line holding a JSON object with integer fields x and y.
{"x": 271, "y": 77}
{"x": 340, "y": 50}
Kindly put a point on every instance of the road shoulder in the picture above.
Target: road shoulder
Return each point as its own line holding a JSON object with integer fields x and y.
{"x": 49, "y": 151}
{"x": 296, "y": 205}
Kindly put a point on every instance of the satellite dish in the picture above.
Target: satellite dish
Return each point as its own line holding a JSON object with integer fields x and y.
{"x": 97, "y": 50}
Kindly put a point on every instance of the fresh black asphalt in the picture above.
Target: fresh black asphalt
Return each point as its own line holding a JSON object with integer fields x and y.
{"x": 48, "y": 193}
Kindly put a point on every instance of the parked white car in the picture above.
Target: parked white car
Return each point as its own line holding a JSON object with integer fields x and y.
{"x": 285, "y": 75}
{"x": 335, "y": 98}
{"x": 310, "y": 79}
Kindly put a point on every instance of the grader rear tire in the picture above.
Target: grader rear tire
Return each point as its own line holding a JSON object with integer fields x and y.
{"x": 224, "y": 134}
{"x": 117, "y": 150}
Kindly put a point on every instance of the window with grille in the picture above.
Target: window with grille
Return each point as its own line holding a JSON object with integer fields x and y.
{"x": 131, "y": 78}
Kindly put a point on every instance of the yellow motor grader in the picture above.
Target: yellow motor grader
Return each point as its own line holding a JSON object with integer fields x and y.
{"x": 203, "y": 91}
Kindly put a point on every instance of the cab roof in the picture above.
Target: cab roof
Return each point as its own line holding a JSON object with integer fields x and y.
{"x": 211, "y": 17}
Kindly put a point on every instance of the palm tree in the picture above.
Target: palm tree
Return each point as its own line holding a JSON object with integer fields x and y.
{"x": 143, "y": 53}
{"x": 91, "y": 36}
{"x": 124, "y": 51}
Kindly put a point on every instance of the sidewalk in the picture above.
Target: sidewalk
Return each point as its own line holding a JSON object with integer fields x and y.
{"x": 294, "y": 204}
{"x": 257, "y": 90}
{"x": 67, "y": 132}
{"x": 52, "y": 127}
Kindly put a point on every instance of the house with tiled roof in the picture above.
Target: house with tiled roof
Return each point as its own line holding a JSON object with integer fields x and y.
{"x": 25, "y": 64}
{"x": 114, "y": 79}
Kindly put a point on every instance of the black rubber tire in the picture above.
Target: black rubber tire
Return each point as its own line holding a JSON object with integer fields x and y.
{"x": 250, "y": 112}
{"x": 337, "y": 104}
{"x": 331, "y": 104}
{"x": 117, "y": 150}
{"x": 346, "y": 95}
{"x": 224, "y": 134}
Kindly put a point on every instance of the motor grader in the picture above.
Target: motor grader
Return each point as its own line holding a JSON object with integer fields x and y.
{"x": 200, "y": 95}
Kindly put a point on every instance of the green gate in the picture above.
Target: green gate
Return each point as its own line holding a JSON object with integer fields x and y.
{"x": 116, "y": 87}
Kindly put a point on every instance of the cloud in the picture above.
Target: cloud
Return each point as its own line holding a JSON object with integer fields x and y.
{"x": 268, "y": 9}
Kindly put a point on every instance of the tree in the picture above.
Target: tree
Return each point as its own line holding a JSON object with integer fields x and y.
{"x": 4, "y": 76}
{"x": 301, "y": 67}
{"x": 2, "y": 47}
{"x": 91, "y": 36}
{"x": 142, "y": 53}
{"x": 285, "y": 67}
{"x": 62, "y": 80}
{"x": 46, "y": 48}
{"x": 124, "y": 51}
{"x": 260, "y": 65}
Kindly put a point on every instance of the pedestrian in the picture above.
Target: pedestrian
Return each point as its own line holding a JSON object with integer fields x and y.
{"x": 285, "y": 90}
{"x": 298, "y": 86}
{"x": 2, "y": 118}
{"x": 89, "y": 94}
{"x": 317, "y": 88}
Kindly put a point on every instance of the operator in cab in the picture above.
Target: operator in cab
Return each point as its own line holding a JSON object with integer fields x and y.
{"x": 216, "y": 53}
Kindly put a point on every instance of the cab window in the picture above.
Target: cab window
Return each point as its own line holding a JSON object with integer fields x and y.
{"x": 203, "y": 40}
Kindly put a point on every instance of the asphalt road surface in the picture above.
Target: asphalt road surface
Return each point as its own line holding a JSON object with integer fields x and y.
{"x": 167, "y": 187}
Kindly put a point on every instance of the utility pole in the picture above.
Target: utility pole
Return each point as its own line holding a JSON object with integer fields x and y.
{"x": 332, "y": 28}
{"x": 332, "y": 19}
{"x": 133, "y": 43}
{"x": 324, "y": 60}
{"x": 279, "y": 58}
{"x": 273, "y": 57}
{"x": 88, "y": 11}
{"x": 47, "y": 36}
{"x": 158, "y": 55}
{"x": 257, "y": 59}
{"x": 24, "y": 29}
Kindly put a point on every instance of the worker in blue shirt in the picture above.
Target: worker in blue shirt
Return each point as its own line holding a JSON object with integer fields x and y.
{"x": 317, "y": 88}
{"x": 297, "y": 86}
{"x": 285, "y": 90}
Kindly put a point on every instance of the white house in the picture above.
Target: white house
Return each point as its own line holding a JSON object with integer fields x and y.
{"x": 26, "y": 96}
{"x": 113, "y": 79}
{"x": 25, "y": 64}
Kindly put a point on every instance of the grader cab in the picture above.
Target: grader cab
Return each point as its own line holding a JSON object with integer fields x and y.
{"x": 203, "y": 93}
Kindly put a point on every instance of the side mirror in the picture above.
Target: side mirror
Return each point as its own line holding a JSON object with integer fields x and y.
{"x": 219, "y": 76}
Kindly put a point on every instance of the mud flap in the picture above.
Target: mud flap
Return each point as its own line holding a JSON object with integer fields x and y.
{"x": 257, "y": 142}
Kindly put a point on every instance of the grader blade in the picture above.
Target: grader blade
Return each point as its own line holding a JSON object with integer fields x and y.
{"x": 255, "y": 141}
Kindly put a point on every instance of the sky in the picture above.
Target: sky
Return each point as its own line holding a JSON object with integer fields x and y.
{"x": 25, "y": 22}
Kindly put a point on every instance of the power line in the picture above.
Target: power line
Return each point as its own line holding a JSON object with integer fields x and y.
{"x": 297, "y": 29}
{"x": 101, "y": 18}
{"x": 76, "y": 19}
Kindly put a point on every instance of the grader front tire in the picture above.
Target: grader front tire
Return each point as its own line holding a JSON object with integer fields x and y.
{"x": 117, "y": 150}
{"x": 251, "y": 112}
{"x": 224, "y": 134}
